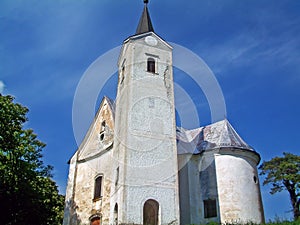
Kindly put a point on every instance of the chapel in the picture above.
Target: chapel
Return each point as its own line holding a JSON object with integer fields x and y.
{"x": 135, "y": 166}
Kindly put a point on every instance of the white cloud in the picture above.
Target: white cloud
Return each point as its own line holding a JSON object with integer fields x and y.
{"x": 235, "y": 50}
{"x": 245, "y": 49}
{"x": 2, "y": 86}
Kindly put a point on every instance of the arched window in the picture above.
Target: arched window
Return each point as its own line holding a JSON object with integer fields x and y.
{"x": 98, "y": 187}
{"x": 150, "y": 212}
{"x": 102, "y": 136}
{"x": 102, "y": 131}
{"x": 116, "y": 214}
{"x": 151, "y": 65}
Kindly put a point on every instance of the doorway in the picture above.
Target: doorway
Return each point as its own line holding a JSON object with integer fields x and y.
{"x": 150, "y": 212}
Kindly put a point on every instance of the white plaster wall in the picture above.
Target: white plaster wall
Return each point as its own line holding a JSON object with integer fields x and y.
{"x": 184, "y": 192}
{"x": 239, "y": 195}
{"x": 197, "y": 183}
{"x": 194, "y": 190}
{"x": 164, "y": 195}
{"x": 68, "y": 211}
{"x": 208, "y": 185}
{"x": 92, "y": 145}
{"x": 226, "y": 176}
{"x": 146, "y": 145}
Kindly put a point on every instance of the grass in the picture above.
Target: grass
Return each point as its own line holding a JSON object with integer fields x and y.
{"x": 276, "y": 222}
{"x": 284, "y": 222}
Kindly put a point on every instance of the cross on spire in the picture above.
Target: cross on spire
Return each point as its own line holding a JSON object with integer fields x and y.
{"x": 146, "y": 1}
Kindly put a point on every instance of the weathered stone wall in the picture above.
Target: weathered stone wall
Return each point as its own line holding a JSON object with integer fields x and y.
{"x": 93, "y": 158}
{"x": 84, "y": 192}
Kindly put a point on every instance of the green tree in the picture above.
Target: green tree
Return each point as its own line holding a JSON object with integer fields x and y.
{"x": 28, "y": 195}
{"x": 283, "y": 173}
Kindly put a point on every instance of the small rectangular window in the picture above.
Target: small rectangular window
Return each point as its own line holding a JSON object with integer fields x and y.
{"x": 210, "y": 208}
{"x": 98, "y": 187}
{"x": 117, "y": 176}
{"x": 151, "y": 65}
{"x": 122, "y": 75}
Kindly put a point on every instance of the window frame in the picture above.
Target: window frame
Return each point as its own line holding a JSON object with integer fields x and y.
{"x": 151, "y": 65}
{"x": 122, "y": 75}
{"x": 102, "y": 131}
{"x": 117, "y": 176}
{"x": 210, "y": 208}
{"x": 98, "y": 185}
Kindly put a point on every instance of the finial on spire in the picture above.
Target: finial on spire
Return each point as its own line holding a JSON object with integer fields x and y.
{"x": 145, "y": 24}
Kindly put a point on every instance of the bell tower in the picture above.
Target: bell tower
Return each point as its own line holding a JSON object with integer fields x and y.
{"x": 145, "y": 155}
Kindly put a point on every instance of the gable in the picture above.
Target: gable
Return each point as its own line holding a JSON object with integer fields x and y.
{"x": 150, "y": 39}
{"x": 100, "y": 135}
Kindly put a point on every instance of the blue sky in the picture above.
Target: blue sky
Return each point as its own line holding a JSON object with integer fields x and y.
{"x": 252, "y": 46}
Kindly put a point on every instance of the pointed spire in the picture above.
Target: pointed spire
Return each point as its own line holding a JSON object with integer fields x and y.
{"x": 145, "y": 24}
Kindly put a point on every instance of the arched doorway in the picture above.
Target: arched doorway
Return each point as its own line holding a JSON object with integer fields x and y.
{"x": 95, "y": 219}
{"x": 150, "y": 212}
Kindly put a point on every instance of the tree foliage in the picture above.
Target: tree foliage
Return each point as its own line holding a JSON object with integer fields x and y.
{"x": 283, "y": 173}
{"x": 28, "y": 195}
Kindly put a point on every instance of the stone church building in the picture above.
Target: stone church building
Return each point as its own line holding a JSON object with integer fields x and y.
{"x": 135, "y": 166}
